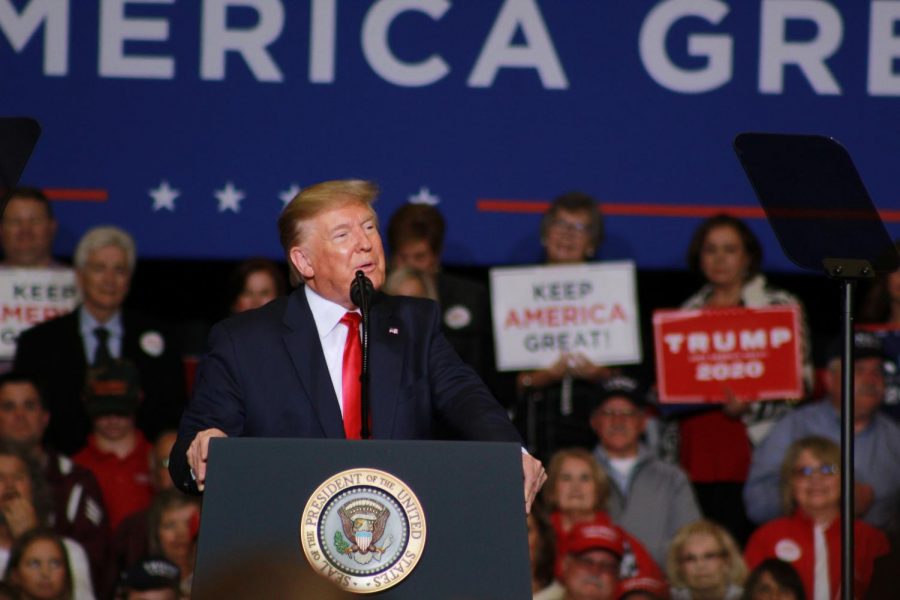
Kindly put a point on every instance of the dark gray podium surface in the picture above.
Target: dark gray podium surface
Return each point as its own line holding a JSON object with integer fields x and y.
{"x": 471, "y": 494}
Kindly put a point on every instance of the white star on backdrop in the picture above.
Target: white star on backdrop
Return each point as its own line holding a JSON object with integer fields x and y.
{"x": 229, "y": 198}
{"x": 288, "y": 194}
{"x": 424, "y": 196}
{"x": 164, "y": 196}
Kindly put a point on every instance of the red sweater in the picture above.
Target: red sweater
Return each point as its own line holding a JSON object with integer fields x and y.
{"x": 791, "y": 539}
{"x": 125, "y": 482}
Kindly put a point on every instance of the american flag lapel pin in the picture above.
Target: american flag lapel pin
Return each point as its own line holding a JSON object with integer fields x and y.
{"x": 393, "y": 331}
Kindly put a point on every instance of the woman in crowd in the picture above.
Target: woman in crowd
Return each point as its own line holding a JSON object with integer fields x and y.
{"x": 542, "y": 553}
{"x": 173, "y": 522}
{"x": 810, "y": 537}
{"x": 571, "y": 232}
{"x": 254, "y": 283}
{"x": 576, "y": 492}
{"x": 39, "y": 567}
{"x": 774, "y": 579}
{"x": 407, "y": 281}
{"x": 704, "y": 563}
{"x": 715, "y": 445}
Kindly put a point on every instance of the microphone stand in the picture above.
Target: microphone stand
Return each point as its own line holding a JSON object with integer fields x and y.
{"x": 360, "y": 293}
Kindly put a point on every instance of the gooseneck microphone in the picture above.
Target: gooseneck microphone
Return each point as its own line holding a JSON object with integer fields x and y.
{"x": 361, "y": 291}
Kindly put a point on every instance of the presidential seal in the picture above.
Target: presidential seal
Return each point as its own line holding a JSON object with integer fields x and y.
{"x": 364, "y": 529}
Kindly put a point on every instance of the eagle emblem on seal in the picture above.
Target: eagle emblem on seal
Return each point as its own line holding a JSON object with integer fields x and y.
{"x": 363, "y": 522}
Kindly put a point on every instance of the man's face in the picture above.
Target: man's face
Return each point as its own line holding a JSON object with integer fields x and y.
{"x": 113, "y": 427}
{"x": 104, "y": 279}
{"x": 868, "y": 385}
{"x": 336, "y": 244}
{"x": 591, "y": 575}
{"x": 417, "y": 254}
{"x": 619, "y": 424}
{"x": 15, "y": 481}
{"x": 22, "y": 418}
{"x": 26, "y": 233}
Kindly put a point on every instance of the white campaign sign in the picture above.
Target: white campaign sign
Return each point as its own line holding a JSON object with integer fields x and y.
{"x": 543, "y": 313}
{"x": 29, "y": 297}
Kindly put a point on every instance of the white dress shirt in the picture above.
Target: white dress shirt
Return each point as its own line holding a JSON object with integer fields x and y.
{"x": 332, "y": 335}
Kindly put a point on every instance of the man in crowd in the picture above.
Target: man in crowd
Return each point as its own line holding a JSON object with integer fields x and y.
{"x": 117, "y": 453}
{"x": 27, "y": 229}
{"x": 153, "y": 578}
{"x": 877, "y": 441}
{"x": 638, "y": 478}
{"x": 291, "y": 368}
{"x": 58, "y": 352}
{"x": 591, "y": 567}
{"x": 78, "y": 509}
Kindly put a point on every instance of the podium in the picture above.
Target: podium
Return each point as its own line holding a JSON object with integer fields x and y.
{"x": 456, "y": 527}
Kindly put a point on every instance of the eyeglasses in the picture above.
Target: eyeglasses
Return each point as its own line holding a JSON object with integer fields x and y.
{"x": 570, "y": 227}
{"x": 600, "y": 566}
{"x": 807, "y": 472}
{"x": 705, "y": 557}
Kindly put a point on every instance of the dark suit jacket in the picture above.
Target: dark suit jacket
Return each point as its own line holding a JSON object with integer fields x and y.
{"x": 265, "y": 376}
{"x": 53, "y": 353}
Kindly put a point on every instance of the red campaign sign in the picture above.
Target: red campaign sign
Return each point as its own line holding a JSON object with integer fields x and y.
{"x": 753, "y": 353}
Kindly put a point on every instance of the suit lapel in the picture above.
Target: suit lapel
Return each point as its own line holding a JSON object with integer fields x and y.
{"x": 386, "y": 342}
{"x": 301, "y": 340}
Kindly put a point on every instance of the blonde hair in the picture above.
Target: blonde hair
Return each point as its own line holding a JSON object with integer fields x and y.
{"x": 737, "y": 569}
{"x": 103, "y": 237}
{"x": 317, "y": 199}
{"x": 601, "y": 480}
{"x": 822, "y": 448}
{"x": 400, "y": 275}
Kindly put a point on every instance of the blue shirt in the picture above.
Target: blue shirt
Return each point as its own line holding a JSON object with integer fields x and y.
{"x": 88, "y": 324}
{"x": 876, "y": 462}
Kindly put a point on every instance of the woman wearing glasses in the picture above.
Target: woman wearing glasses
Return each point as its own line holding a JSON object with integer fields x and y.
{"x": 571, "y": 232}
{"x": 809, "y": 538}
{"x": 704, "y": 563}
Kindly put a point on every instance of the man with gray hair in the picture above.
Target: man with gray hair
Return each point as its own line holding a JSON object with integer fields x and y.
{"x": 59, "y": 352}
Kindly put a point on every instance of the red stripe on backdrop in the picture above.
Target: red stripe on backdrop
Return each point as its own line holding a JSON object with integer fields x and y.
{"x": 77, "y": 194}
{"x": 646, "y": 210}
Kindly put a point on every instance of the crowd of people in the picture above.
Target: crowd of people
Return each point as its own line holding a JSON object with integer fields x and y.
{"x": 643, "y": 501}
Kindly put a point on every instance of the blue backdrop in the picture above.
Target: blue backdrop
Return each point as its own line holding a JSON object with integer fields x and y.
{"x": 488, "y": 107}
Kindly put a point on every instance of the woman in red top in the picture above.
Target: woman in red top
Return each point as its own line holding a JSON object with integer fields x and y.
{"x": 810, "y": 538}
{"x": 715, "y": 444}
{"x": 576, "y": 492}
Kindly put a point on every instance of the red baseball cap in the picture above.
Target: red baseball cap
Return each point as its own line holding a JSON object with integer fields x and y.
{"x": 592, "y": 536}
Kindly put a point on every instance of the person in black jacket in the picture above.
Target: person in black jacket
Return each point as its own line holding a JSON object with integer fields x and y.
{"x": 60, "y": 351}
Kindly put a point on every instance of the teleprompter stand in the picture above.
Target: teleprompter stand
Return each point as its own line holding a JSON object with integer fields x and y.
{"x": 18, "y": 137}
{"x": 824, "y": 220}
{"x": 470, "y": 492}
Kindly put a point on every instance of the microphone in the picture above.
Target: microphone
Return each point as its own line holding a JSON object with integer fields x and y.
{"x": 361, "y": 291}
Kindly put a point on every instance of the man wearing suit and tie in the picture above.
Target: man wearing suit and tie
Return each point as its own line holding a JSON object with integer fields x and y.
{"x": 59, "y": 352}
{"x": 286, "y": 369}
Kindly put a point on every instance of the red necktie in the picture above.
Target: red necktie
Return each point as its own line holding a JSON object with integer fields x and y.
{"x": 350, "y": 372}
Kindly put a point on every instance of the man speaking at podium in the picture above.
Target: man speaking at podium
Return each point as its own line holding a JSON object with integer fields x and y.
{"x": 290, "y": 369}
